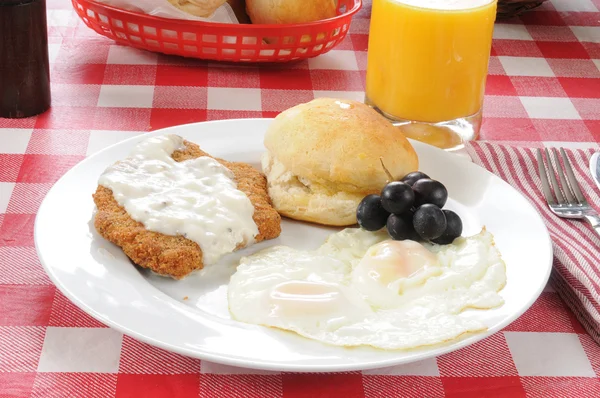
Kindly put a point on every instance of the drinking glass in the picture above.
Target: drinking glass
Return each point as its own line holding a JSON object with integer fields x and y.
{"x": 427, "y": 66}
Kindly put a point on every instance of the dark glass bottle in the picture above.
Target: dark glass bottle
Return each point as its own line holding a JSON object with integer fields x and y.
{"x": 24, "y": 66}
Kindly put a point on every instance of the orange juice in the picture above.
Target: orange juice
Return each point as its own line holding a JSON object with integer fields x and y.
{"x": 428, "y": 59}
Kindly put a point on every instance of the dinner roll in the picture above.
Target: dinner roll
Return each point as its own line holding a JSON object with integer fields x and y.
{"x": 290, "y": 11}
{"x": 323, "y": 157}
{"x": 199, "y": 8}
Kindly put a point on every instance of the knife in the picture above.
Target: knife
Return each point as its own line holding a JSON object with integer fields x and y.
{"x": 595, "y": 168}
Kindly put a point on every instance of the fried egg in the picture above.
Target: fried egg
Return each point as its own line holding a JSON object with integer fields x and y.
{"x": 361, "y": 288}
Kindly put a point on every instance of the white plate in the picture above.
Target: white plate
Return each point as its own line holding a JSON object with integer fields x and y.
{"x": 100, "y": 279}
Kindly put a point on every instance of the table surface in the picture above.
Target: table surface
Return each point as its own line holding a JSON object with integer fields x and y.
{"x": 543, "y": 88}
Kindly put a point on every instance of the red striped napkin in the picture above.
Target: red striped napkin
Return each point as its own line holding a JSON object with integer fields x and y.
{"x": 576, "y": 272}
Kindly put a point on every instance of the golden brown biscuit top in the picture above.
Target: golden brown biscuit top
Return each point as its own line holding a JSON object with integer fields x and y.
{"x": 340, "y": 143}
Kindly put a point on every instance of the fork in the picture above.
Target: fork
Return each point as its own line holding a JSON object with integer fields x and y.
{"x": 568, "y": 202}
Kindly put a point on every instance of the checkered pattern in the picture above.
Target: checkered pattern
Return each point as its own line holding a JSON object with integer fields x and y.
{"x": 543, "y": 88}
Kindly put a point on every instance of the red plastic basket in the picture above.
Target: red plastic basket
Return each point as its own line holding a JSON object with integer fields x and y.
{"x": 219, "y": 41}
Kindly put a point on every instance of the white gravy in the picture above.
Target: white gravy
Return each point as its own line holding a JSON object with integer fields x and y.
{"x": 196, "y": 198}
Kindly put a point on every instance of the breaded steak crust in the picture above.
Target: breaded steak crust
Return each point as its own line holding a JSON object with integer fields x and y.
{"x": 177, "y": 256}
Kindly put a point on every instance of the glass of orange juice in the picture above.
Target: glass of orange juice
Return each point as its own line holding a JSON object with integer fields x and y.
{"x": 427, "y": 66}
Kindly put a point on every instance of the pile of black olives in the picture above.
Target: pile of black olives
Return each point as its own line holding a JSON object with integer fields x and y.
{"x": 411, "y": 209}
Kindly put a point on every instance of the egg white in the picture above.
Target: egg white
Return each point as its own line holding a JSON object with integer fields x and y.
{"x": 360, "y": 288}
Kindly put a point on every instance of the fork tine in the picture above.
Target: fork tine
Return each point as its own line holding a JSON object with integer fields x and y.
{"x": 563, "y": 181}
{"x": 544, "y": 177}
{"x": 552, "y": 174}
{"x": 572, "y": 180}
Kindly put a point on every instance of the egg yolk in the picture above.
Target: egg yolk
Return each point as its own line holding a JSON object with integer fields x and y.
{"x": 392, "y": 260}
{"x": 297, "y": 298}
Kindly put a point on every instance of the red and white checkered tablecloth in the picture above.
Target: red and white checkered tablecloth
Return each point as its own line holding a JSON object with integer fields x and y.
{"x": 543, "y": 87}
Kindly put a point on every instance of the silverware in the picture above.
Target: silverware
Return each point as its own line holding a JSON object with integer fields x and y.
{"x": 568, "y": 202}
{"x": 595, "y": 168}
